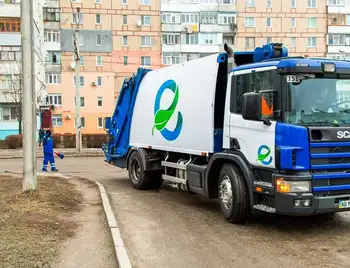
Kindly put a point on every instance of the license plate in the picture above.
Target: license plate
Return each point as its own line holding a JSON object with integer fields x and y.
{"x": 344, "y": 204}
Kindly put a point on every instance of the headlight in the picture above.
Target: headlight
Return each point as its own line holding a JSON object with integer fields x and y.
{"x": 283, "y": 186}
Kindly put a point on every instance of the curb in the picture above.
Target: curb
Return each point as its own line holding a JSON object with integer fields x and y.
{"x": 122, "y": 256}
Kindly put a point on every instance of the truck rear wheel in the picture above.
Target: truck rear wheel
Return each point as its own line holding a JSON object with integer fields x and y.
{"x": 139, "y": 177}
{"x": 233, "y": 194}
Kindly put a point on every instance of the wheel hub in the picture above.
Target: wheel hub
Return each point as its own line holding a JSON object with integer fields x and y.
{"x": 136, "y": 170}
{"x": 226, "y": 192}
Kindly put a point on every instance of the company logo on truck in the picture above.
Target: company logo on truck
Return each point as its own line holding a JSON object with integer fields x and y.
{"x": 162, "y": 117}
{"x": 264, "y": 156}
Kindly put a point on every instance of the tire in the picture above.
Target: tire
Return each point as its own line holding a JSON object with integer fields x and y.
{"x": 139, "y": 178}
{"x": 237, "y": 208}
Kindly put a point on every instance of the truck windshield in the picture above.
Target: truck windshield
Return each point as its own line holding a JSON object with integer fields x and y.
{"x": 317, "y": 101}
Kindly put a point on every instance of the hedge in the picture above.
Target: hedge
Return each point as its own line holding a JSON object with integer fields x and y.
{"x": 66, "y": 140}
{"x": 14, "y": 141}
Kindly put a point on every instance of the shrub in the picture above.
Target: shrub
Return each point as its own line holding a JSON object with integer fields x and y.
{"x": 57, "y": 140}
{"x": 14, "y": 141}
{"x": 94, "y": 140}
{"x": 68, "y": 140}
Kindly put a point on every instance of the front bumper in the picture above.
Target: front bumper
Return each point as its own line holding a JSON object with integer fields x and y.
{"x": 284, "y": 204}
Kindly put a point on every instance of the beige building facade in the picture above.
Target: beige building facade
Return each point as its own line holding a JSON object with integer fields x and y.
{"x": 299, "y": 25}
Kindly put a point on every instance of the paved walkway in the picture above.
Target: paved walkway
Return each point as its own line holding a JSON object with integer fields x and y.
{"x": 68, "y": 152}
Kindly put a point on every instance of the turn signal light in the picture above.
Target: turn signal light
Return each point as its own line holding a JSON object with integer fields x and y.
{"x": 283, "y": 186}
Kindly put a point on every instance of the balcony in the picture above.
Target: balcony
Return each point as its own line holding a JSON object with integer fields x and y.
{"x": 10, "y": 8}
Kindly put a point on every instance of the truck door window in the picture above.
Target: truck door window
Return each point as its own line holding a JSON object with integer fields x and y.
{"x": 257, "y": 81}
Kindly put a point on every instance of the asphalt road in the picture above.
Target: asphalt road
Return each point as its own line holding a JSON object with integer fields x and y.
{"x": 169, "y": 229}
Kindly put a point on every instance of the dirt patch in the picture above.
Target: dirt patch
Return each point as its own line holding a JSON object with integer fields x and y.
{"x": 34, "y": 224}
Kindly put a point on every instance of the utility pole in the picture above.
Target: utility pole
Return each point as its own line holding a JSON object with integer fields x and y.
{"x": 29, "y": 170}
{"x": 77, "y": 82}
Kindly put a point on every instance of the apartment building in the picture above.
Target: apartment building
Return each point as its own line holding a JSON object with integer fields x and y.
{"x": 10, "y": 64}
{"x": 338, "y": 38}
{"x": 116, "y": 37}
{"x": 300, "y": 25}
{"x": 196, "y": 28}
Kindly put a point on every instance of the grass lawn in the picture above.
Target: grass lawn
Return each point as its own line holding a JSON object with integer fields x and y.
{"x": 34, "y": 224}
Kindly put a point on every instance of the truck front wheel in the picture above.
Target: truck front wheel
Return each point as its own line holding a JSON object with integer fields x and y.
{"x": 233, "y": 194}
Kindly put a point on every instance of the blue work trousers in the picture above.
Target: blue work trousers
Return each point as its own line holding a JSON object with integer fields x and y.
{"x": 49, "y": 158}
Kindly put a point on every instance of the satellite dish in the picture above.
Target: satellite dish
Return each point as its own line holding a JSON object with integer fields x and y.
{"x": 139, "y": 23}
{"x": 72, "y": 65}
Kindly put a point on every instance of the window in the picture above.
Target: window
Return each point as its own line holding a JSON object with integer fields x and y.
{"x": 251, "y": 82}
{"x": 336, "y": 2}
{"x": 54, "y": 99}
{"x": 347, "y": 21}
{"x": 339, "y": 39}
{"x": 293, "y": 3}
{"x": 77, "y": 18}
{"x": 269, "y": 3}
{"x": 82, "y": 81}
{"x": 99, "y": 81}
{"x": 146, "y": 20}
{"x": 268, "y": 40}
{"x": 98, "y": 40}
{"x": 100, "y": 122}
{"x": 98, "y": 60}
{"x": 82, "y": 122}
{"x": 249, "y": 22}
{"x": 10, "y": 25}
{"x": 268, "y": 22}
{"x": 99, "y": 101}
{"x": 125, "y": 19}
{"x": 98, "y": 18}
{"x": 82, "y": 101}
{"x": 52, "y": 36}
{"x": 11, "y": 53}
{"x": 145, "y": 61}
{"x": 312, "y": 22}
{"x": 51, "y": 14}
{"x": 249, "y": 3}
{"x": 292, "y": 42}
{"x": 311, "y": 42}
{"x": 53, "y": 79}
{"x": 336, "y": 19}
{"x": 98, "y": 1}
{"x": 209, "y": 17}
{"x": 56, "y": 120}
{"x": 145, "y": 41}
{"x": 170, "y": 58}
{"x": 311, "y": 3}
{"x": 81, "y": 60}
{"x": 125, "y": 60}
{"x": 146, "y": 2}
{"x": 249, "y": 42}
{"x": 9, "y": 113}
{"x": 171, "y": 18}
{"x": 171, "y": 39}
{"x": 53, "y": 58}
{"x": 125, "y": 40}
{"x": 189, "y": 18}
{"x": 226, "y": 18}
{"x": 124, "y": 2}
{"x": 294, "y": 24}
{"x": 209, "y": 38}
{"x": 228, "y": 40}
{"x": 190, "y": 39}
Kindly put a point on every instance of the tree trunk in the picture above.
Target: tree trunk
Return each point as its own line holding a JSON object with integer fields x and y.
{"x": 19, "y": 126}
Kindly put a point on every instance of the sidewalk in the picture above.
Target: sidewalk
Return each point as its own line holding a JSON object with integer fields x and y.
{"x": 68, "y": 152}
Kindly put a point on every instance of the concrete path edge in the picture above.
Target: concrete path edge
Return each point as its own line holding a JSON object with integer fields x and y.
{"x": 122, "y": 256}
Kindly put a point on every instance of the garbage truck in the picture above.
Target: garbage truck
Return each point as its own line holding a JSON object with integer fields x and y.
{"x": 257, "y": 130}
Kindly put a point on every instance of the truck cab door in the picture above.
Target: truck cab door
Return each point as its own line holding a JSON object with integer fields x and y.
{"x": 255, "y": 140}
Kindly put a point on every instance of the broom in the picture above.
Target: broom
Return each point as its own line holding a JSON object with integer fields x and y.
{"x": 60, "y": 155}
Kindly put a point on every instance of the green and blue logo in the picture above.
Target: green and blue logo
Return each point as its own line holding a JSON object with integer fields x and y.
{"x": 264, "y": 156}
{"x": 162, "y": 117}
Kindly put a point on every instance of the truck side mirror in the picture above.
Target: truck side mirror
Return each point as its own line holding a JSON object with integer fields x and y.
{"x": 252, "y": 106}
{"x": 107, "y": 123}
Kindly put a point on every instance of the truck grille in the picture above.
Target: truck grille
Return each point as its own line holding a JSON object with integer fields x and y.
{"x": 330, "y": 167}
